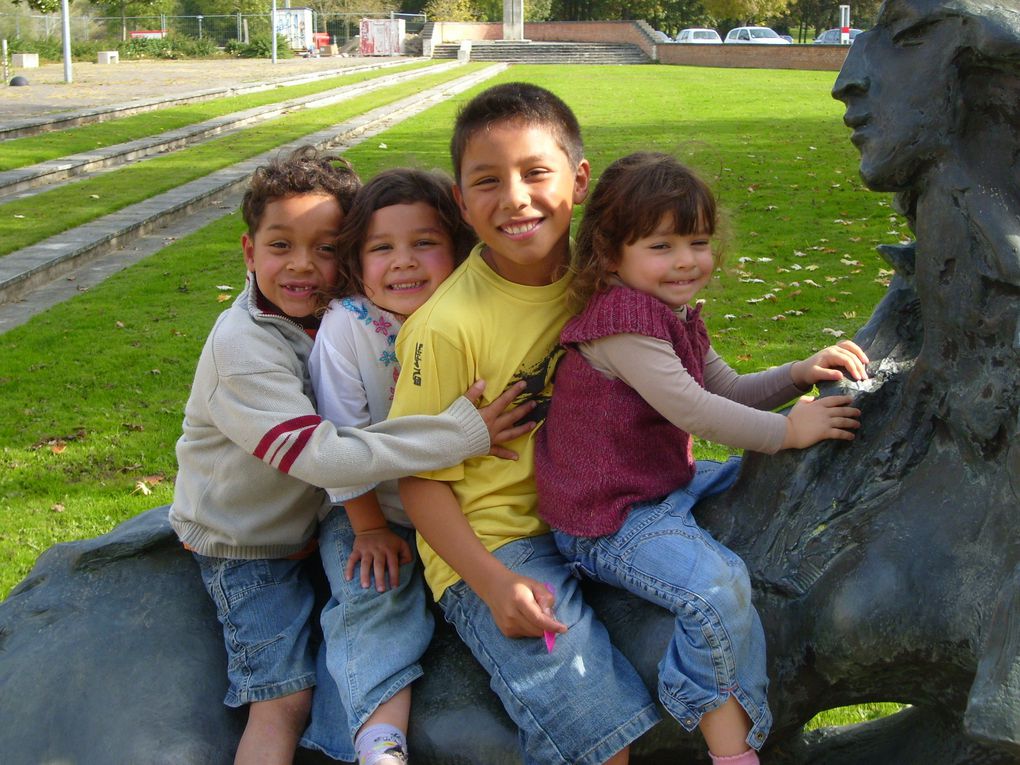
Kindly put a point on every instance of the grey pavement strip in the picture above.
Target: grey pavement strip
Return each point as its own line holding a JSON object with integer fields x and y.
{"x": 49, "y": 261}
{"x": 26, "y": 126}
{"x": 52, "y": 171}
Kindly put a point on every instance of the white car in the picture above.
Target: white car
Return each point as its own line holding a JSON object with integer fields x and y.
{"x": 755, "y": 36}
{"x": 699, "y": 36}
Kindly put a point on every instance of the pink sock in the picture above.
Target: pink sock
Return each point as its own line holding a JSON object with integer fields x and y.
{"x": 750, "y": 757}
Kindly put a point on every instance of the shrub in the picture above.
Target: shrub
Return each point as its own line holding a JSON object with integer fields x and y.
{"x": 261, "y": 47}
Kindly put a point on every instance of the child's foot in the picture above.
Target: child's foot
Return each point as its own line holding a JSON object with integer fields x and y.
{"x": 381, "y": 745}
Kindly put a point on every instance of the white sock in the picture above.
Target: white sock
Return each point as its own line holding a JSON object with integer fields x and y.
{"x": 381, "y": 745}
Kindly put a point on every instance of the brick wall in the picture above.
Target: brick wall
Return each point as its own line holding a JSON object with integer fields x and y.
{"x": 822, "y": 57}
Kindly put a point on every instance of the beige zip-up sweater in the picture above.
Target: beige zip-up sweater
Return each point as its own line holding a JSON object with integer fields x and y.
{"x": 254, "y": 453}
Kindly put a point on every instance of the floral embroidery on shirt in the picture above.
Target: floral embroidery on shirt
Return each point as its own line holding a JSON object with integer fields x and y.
{"x": 371, "y": 315}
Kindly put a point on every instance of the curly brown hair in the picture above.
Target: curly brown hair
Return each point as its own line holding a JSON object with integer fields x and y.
{"x": 630, "y": 199}
{"x": 399, "y": 186}
{"x": 306, "y": 170}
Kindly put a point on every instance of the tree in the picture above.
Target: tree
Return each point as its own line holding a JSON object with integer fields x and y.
{"x": 42, "y": 6}
{"x": 748, "y": 11}
{"x": 349, "y": 9}
{"x": 451, "y": 10}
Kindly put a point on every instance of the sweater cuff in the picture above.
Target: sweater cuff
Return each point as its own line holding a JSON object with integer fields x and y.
{"x": 473, "y": 426}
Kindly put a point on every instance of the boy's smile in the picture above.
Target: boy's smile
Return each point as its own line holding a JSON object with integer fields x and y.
{"x": 517, "y": 190}
{"x": 293, "y": 252}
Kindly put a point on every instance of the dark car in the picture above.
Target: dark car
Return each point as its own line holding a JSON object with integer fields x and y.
{"x": 831, "y": 36}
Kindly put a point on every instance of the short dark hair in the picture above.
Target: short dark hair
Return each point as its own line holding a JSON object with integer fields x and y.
{"x": 631, "y": 197}
{"x": 306, "y": 170}
{"x": 522, "y": 103}
{"x": 399, "y": 186}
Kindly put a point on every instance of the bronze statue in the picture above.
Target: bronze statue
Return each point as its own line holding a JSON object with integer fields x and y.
{"x": 889, "y": 569}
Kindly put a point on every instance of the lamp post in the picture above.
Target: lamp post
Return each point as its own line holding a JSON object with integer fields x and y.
{"x": 66, "y": 35}
{"x": 272, "y": 30}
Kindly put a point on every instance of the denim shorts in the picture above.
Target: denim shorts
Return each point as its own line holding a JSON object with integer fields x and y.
{"x": 373, "y": 640}
{"x": 265, "y": 607}
{"x": 578, "y": 705}
{"x": 661, "y": 555}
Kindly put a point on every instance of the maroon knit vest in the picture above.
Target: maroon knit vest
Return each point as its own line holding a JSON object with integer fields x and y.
{"x": 602, "y": 448}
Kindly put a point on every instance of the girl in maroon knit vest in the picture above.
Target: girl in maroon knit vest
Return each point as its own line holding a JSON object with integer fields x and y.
{"x": 617, "y": 481}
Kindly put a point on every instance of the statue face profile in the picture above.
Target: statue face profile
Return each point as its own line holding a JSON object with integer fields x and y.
{"x": 900, "y": 89}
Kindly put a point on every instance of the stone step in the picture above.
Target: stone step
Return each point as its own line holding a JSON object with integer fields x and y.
{"x": 548, "y": 53}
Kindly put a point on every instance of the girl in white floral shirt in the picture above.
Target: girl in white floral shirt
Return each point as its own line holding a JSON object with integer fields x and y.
{"x": 402, "y": 237}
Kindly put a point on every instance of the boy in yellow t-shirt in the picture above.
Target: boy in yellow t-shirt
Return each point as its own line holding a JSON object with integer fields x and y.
{"x": 490, "y": 561}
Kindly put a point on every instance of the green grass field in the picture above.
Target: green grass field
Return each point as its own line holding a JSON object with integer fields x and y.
{"x": 94, "y": 388}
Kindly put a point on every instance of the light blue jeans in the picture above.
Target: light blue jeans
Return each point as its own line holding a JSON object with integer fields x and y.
{"x": 373, "y": 640}
{"x": 661, "y": 555}
{"x": 264, "y": 606}
{"x": 578, "y": 705}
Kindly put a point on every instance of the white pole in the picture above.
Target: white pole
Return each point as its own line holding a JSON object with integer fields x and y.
{"x": 271, "y": 31}
{"x": 66, "y": 33}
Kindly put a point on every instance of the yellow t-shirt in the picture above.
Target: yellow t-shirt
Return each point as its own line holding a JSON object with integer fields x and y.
{"x": 476, "y": 326}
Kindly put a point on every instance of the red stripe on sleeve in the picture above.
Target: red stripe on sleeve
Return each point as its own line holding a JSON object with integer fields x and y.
{"x": 284, "y": 427}
{"x": 295, "y": 450}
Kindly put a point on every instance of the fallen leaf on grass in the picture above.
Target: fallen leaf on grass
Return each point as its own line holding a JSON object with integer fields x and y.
{"x": 119, "y": 324}
{"x": 833, "y": 332}
{"x": 58, "y": 448}
{"x": 57, "y": 507}
{"x": 141, "y": 487}
{"x": 223, "y": 297}
{"x": 224, "y": 287}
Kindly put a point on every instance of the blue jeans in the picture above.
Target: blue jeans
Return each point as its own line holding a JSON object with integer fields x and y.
{"x": 373, "y": 640}
{"x": 661, "y": 555}
{"x": 578, "y": 705}
{"x": 264, "y": 606}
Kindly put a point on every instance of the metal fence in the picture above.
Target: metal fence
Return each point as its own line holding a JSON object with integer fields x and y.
{"x": 219, "y": 28}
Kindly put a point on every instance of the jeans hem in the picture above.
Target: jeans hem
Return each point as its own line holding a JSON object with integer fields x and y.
{"x": 402, "y": 680}
{"x": 269, "y": 692}
{"x": 623, "y": 736}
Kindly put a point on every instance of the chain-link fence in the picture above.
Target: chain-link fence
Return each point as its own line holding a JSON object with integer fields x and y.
{"x": 219, "y": 29}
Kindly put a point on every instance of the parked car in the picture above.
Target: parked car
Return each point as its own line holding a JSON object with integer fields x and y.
{"x": 661, "y": 37}
{"x": 831, "y": 36}
{"x": 698, "y": 36}
{"x": 755, "y": 36}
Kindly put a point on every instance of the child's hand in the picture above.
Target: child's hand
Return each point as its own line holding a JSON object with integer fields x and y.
{"x": 815, "y": 419}
{"x": 829, "y": 364}
{"x": 521, "y": 606}
{"x": 378, "y": 551}
{"x": 501, "y": 421}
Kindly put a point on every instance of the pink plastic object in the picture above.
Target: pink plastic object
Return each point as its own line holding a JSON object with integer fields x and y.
{"x": 550, "y": 637}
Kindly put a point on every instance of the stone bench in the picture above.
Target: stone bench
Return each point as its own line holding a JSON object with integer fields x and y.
{"x": 108, "y": 57}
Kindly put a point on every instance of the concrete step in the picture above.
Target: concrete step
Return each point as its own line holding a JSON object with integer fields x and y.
{"x": 14, "y": 182}
{"x": 547, "y": 52}
{"x": 24, "y": 272}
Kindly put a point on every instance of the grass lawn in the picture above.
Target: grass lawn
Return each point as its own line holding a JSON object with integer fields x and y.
{"x": 94, "y": 388}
